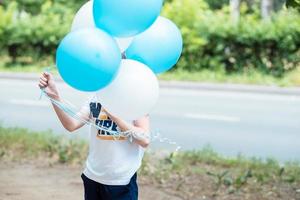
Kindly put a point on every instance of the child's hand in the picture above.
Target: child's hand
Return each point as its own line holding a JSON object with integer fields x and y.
{"x": 47, "y": 82}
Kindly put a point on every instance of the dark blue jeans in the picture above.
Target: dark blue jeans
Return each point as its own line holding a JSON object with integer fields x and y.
{"x": 97, "y": 191}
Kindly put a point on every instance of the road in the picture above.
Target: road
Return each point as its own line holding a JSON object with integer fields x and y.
{"x": 253, "y": 124}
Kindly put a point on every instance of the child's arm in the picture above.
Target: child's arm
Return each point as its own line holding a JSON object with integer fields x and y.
{"x": 47, "y": 82}
{"x": 142, "y": 125}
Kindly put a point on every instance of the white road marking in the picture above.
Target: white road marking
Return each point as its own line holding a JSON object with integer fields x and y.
{"x": 29, "y": 102}
{"x": 213, "y": 117}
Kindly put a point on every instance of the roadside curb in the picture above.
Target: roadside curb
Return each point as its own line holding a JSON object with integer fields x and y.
{"x": 229, "y": 87}
{"x": 226, "y": 87}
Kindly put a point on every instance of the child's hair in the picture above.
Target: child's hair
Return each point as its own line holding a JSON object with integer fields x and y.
{"x": 123, "y": 55}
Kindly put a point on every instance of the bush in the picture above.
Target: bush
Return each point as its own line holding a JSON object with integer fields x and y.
{"x": 212, "y": 40}
{"x": 24, "y": 34}
{"x": 35, "y": 6}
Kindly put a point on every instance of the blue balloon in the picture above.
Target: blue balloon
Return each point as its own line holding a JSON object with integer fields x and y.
{"x": 159, "y": 47}
{"x": 125, "y": 18}
{"x": 88, "y": 59}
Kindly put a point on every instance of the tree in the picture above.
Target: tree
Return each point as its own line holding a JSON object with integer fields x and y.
{"x": 235, "y": 10}
{"x": 266, "y": 8}
{"x": 293, "y": 4}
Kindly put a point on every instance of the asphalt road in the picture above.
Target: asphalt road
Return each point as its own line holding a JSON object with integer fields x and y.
{"x": 253, "y": 124}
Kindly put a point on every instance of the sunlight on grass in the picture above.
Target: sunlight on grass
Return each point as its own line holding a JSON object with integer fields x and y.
{"x": 20, "y": 143}
{"x": 291, "y": 78}
{"x": 227, "y": 174}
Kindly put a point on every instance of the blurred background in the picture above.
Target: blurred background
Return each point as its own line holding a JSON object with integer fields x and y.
{"x": 256, "y": 39}
{"x": 232, "y": 102}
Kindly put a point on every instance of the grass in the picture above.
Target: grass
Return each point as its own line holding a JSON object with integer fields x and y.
{"x": 24, "y": 64}
{"x": 204, "y": 172}
{"x": 19, "y": 143}
{"x": 262, "y": 169}
{"x": 251, "y": 77}
{"x": 186, "y": 174}
{"x": 20, "y": 68}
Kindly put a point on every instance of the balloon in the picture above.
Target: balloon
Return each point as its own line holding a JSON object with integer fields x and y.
{"x": 88, "y": 59}
{"x": 84, "y": 19}
{"x": 159, "y": 47}
{"x": 125, "y": 18}
{"x": 133, "y": 93}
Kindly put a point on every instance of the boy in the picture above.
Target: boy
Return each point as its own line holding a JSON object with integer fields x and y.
{"x": 112, "y": 163}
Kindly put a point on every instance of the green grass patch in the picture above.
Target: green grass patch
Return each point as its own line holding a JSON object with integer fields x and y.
{"x": 20, "y": 68}
{"x": 19, "y": 143}
{"x": 251, "y": 77}
{"x": 178, "y": 171}
{"x": 215, "y": 164}
{"x": 204, "y": 171}
{"x": 24, "y": 64}
{"x": 22, "y": 143}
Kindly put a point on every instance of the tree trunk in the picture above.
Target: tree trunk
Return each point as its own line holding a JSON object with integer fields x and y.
{"x": 266, "y": 8}
{"x": 235, "y": 10}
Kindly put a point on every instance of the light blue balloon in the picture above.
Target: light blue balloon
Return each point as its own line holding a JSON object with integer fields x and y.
{"x": 159, "y": 47}
{"x": 88, "y": 59}
{"x": 125, "y": 18}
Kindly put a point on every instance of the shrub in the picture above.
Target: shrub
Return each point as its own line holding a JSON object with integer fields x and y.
{"x": 35, "y": 6}
{"x": 36, "y": 36}
{"x": 212, "y": 40}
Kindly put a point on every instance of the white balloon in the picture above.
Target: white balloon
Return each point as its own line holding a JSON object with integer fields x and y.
{"x": 133, "y": 93}
{"x": 84, "y": 19}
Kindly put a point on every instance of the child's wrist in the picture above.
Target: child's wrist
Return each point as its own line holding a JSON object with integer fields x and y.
{"x": 56, "y": 97}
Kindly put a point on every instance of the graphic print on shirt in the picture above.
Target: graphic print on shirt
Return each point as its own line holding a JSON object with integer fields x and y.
{"x": 101, "y": 119}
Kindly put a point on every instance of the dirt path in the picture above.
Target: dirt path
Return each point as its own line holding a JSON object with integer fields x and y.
{"x": 28, "y": 181}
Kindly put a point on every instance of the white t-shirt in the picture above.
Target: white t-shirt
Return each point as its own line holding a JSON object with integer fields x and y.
{"x": 111, "y": 160}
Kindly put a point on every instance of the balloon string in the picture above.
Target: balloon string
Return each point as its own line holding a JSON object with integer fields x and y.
{"x": 76, "y": 115}
{"x": 46, "y": 69}
{"x": 70, "y": 110}
{"x": 66, "y": 107}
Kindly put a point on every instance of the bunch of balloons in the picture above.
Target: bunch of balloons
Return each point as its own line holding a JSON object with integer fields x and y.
{"x": 89, "y": 58}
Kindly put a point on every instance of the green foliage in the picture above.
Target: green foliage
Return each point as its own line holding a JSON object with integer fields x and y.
{"x": 219, "y": 178}
{"x": 31, "y": 30}
{"x": 35, "y": 6}
{"x": 230, "y": 173}
{"x": 18, "y": 143}
{"x": 6, "y": 18}
{"x": 217, "y": 4}
{"x": 213, "y": 41}
{"x": 293, "y": 4}
{"x": 233, "y": 173}
{"x": 24, "y": 34}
